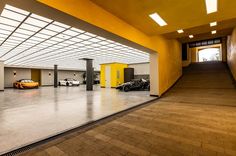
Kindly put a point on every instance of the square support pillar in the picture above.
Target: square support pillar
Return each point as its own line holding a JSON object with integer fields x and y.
{"x": 1, "y": 75}
{"x": 55, "y": 76}
{"x": 89, "y": 73}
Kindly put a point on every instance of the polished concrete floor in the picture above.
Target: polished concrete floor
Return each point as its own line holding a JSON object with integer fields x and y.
{"x": 195, "y": 120}
{"x": 27, "y": 116}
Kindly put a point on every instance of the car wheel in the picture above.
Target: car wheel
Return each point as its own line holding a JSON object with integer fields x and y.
{"x": 126, "y": 88}
{"x": 59, "y": 83}
{"x": 67, "y": 84}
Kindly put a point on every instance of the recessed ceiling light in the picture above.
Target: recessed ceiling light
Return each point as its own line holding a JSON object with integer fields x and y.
{"x": 180, "y": 31}
{"x": 213, "y": 32}
{"x": 191, "y": 36}
{"x": 157, "y": 18}
{"x": 211, "y": 6}
{"x": 212, "y": 24}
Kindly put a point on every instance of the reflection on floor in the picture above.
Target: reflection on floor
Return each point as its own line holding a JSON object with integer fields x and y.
{"x": 188, "y": 120}
{"x": 27, "y": 116}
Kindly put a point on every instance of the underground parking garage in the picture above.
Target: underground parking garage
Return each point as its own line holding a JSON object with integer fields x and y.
{"x": 85, "y": 78}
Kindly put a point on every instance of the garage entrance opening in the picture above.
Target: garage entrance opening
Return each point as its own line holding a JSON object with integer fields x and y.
{"x": 209, "y": 54}
{"x": 34, "y": 44}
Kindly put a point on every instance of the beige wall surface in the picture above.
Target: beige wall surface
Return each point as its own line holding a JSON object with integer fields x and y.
{"x": 70, "y": 74}
{"x": 231, "y": 53}
{"x": 47, "y": 79}
{"x": 9, "y": 77}
{"x": 1, "y": 75}
{"x": 140, "y": 68}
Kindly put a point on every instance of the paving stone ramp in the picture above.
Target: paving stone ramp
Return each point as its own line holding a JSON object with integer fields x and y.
{"x": 195, "y": 118}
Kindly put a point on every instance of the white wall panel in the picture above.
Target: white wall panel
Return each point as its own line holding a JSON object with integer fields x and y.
{"x": 1, "y": 75}
{"x": 47, "y": 77}
{"x": 141, "y": 68}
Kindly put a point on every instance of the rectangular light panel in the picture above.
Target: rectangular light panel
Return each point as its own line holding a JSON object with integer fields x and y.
{"x": 213, "y": 32}
{"x": 157, "y": 18}
{"x": 211, "y": 6}
{"x": 212, "y": 24}
{"x": 180, "y": 31}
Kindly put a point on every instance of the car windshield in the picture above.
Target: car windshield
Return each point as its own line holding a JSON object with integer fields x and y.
{"x": 70, "y": 79}
{"x": 27, "y": 81}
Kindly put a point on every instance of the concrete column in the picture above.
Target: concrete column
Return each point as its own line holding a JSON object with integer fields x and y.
{"x": 1, "y": 75}
{"x": 154, "y": 76}
{"x": 89, "y": 74}
{"x": 55, "y": 76}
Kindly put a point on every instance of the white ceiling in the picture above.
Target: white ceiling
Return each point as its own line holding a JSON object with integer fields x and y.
{"x": 27, "y": 39}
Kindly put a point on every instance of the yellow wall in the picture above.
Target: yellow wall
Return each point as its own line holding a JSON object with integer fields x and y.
{"x": 169, "y": 51}
{"x": 102, "y": 75}
{"x": 169, "y": 60}
{"x": 231, "y": 53}
{"x": 36, "y": 75}
{"x": 115, "y": 78}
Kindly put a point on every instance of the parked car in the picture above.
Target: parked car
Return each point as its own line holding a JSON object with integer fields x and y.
{"x": 69, "y": 82}
{"x": 25, "y": 84}
{"x": 136, "y": 84}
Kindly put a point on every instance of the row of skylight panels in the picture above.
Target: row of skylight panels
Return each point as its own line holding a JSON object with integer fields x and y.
{"x": 61, "y": 63}
{"x": 76, "y": 49}
{"x": 45, "y": 48}
{"x": 81, "y": 49}
{"x": 78, "y": 65}
{"x": 70, "y": 62}
{"x": 44, "y": 45}
{"x": 95, "y": 56}
{"x": 28, "y": 30}
{"x": 83, "y": 54}
{"x": 67, "y": 53}
{"x": 66, "y": 45}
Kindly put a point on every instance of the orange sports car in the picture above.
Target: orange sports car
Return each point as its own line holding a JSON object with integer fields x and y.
{"x": 25, "y": 83}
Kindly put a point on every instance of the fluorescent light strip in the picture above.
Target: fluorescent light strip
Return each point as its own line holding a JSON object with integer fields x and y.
{"x": 180, "y": 31}
{"x": 212, "y": 24}
{"x": 157, "y": 18}
{"x": 213, "y": 32}
{"x": 211, "y": 6}
{"x": 191, "y": 36}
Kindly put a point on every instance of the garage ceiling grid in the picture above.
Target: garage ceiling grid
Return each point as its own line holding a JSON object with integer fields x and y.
{"x": 27, "y": 39}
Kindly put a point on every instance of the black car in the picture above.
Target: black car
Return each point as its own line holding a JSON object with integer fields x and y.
{"x": 136, "y": 84}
